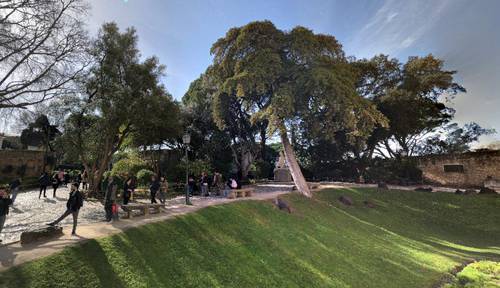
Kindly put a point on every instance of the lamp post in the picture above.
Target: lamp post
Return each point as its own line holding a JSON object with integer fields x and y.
{"x": 186, "y": 139}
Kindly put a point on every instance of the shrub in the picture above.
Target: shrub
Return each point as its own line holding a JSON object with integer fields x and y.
{"x": 263, "y": 169}
{"x": 195, "y": 168}
{"x": 129, "y": 165}
{"x": 144, "y": 176}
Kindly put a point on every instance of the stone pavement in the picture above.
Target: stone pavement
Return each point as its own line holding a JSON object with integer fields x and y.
{"x": 93, "y": 225}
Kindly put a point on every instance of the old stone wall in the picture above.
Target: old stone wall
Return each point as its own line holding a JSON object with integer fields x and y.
{"x": 461, "y": 170}
{"x": 14, "y": 163}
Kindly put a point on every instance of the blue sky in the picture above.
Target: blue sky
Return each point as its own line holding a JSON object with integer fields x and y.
{"x": 463, "y": 33}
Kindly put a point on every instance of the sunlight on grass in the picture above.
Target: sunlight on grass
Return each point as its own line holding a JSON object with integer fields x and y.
{"x": 252, "y": 244}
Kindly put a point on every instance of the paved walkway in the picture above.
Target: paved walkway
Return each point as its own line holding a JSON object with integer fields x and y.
{"x": 93, "y": 227}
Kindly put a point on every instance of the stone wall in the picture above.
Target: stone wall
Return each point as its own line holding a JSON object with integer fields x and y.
{"x": 13, "y": 161}
{"x": 461, "y": 170}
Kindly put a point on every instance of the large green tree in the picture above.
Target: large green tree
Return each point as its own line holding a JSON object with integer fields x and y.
{"x": 411, "y": 96}
{"x": 122, "y": 99}
{"x": 293, "y": 76}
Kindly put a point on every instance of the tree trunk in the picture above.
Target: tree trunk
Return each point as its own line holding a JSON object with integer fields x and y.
{"x": 293, "y": 165}
{"x": 245, "y": 163}
{"x": 263, "y": 142}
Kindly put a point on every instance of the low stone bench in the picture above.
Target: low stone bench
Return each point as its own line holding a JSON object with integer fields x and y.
{"x": 39, "y": 234}
{"x": 143, "y": 208}
{"x": 237, "y": 193}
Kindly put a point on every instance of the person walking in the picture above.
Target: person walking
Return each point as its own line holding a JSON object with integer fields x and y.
{"x": 153, "y": 188}
{"x": 44, "y": 181}
{"x": 14, "y": 189}
{"x": 191, "y": 185}
{"x": 204, "y": 184}
{"x": 85, "y": 179}
{"x": 5, "y": 202}
{"x": 62, "y": 177}
{"x": 55, "y": 184}
{"x": 163, "y": 190}
{"x": 110, "y": 198}
{"x": 73, "y": 205}
{"x": 128, "y": 189}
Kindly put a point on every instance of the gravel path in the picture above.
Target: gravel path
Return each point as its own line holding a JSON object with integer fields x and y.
{"x": 14, "y": 254}
{"x": 29, "y": 212}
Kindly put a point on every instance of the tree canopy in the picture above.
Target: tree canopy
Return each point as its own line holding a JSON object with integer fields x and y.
{"x": 123, "y": 100}
{"x": 283, "y": 76}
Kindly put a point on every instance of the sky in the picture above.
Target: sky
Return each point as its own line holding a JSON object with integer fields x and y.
{"x": 463, "y": 33}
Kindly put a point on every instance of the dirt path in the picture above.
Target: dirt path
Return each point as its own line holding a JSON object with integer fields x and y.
{"x": 15, "y": 254}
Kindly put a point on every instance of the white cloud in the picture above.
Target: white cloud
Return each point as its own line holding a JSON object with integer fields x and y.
{"x": 397, "y": 25}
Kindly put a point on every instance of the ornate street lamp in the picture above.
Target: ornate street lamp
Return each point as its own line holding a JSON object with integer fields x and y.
{"x": 186, "y": 139}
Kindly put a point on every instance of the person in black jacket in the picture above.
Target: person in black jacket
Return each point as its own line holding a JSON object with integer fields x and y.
{"x": 110, "y": 198}
{"x": 44, "y": 181}
{"x": 153, "y": 188}
{"x": 55, "y": 184}
{"x": 5, "y": 202}
{"x": 128, "y": 189}
{"x": 75, "y": 202}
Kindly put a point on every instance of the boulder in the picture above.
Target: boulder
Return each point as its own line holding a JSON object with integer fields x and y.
{"x": 382, "y": 185}
{"x": 423, "y": 189}
{"x": 39, "y": 234}
{"x": 369, "y": 204}
{"x": 282, "y": 205}
{"x": 459, "y": 192}
{"x": 346, "y": 200}
{"x": 486, "y": 190}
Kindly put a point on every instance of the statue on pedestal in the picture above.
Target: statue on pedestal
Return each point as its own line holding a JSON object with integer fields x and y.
{"x": 281, "y": 172}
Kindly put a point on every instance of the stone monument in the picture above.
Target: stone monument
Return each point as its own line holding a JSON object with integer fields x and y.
{"x": 281, "y": 172}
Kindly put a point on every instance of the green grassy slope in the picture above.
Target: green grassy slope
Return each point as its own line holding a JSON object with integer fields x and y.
{"x": 410, "y": 240}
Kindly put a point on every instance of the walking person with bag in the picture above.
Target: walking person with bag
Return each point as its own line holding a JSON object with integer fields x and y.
{"x": 110, "y": 198}
{"x": 73, "y": 205}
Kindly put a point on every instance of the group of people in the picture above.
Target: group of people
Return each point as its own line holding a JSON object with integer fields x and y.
{"x": 73, "y": 204}
{"x": 59, "y": 178}
{"x": 158, "y": 188}
{"x": 214, "y": 185}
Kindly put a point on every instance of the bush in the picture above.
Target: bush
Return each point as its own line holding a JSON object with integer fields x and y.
{"x": 263, "y": 169}
{"x": 195, "y": 168}
{"x": 144, "y": 176}
{"x": 129, "y": 165}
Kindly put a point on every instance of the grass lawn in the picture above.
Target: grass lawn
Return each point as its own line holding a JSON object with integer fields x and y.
{"x": 411, "y": 239}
